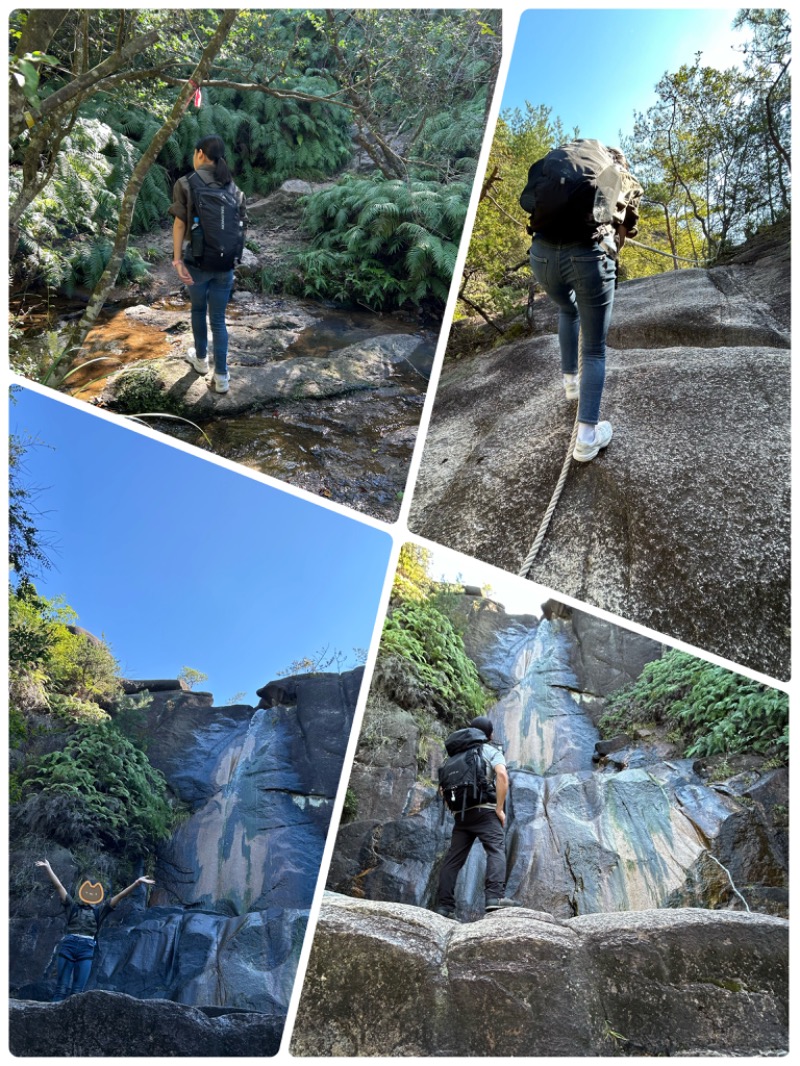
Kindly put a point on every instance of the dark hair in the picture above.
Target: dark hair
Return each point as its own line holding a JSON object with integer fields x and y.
{"x": 214, "y": 147}
{"x": 484, "y": 724}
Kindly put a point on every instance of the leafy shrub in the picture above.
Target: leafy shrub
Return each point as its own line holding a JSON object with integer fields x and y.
{"x": 100, "y": 790}
{"x": 432, "y": 650}
{"x": 141, "y": 391}
{"x": 713, "y": 709}
{"x": 65, "y": 235}
{"x": 381, "y": 243}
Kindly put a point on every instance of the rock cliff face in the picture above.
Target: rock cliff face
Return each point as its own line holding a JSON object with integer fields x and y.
{"x": 638, "y": 830}
{"x": 387, "y": 979}
{"x": 682, "y": 525}
{"x": 226, "y": 920}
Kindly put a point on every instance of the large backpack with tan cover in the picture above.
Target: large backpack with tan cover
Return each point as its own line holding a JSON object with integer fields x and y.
{"x": 573, "y": 189}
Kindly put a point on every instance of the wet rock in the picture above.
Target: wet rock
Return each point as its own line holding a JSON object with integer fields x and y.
{"x": 110, "y": 1024}
{"x": 358, "y": 367}
{"x": 519, "y": 984}
{"x": 605, "y": 747}
{"x": 677, "y": 526}
{"x": 234, "y": 881}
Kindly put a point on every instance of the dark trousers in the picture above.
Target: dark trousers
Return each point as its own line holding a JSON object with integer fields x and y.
{"x": 75, "y": 954}
{"x": 479, "y": 823}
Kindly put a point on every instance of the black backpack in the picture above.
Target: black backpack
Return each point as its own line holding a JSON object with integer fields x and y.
{"x": 572, "y": 190}
{"x": 465, "y": 778}
{"x": 216, "y": 235}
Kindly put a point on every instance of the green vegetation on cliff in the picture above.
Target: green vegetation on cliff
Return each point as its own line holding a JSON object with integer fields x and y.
{"x": 422, "y": 653}
{"x": 712, "y": 710}
{"x": 79, "y": 777}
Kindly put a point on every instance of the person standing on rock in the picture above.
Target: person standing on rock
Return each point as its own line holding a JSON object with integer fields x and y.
{"x": 583, "y": 202}
{"x": 474, "y": 784}
{"x": 207, "y": 240}
{"x": 84, "y": 917}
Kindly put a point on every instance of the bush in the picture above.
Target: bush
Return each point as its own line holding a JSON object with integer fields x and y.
{"x": 433, "y": 651}
{"x": 100, "y": 790}
{"x": 383, "y": 244}
{"x": 713, "y": 709}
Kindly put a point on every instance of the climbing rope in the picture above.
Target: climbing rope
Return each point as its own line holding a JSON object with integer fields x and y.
{"x": 669, "y": 255}
{"x": 562, "y": 477}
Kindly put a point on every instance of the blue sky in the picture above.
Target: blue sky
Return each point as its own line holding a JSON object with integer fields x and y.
{"x": 179, "y": 562}
{"x": 594, "y": 68}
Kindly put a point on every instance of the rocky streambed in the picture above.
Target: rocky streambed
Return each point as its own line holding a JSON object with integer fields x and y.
{"x": 325, "y": 398}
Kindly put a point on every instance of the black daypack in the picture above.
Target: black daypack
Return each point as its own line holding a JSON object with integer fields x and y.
{"x": 216, "y": 235}
{"x": 572, "y": 190}
{"x": 465, "y": 778}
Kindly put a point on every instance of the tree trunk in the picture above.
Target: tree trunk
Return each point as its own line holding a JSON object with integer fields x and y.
{"x": 109, "y": 277}
{"x": 37, "y": 33}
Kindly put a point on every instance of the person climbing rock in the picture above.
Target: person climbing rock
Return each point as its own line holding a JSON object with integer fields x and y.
{"x": 583, "y": 203}
{"x": 207, "y": 240}
{"x": 474, "y": 784}
{"x": 84, "y": 917}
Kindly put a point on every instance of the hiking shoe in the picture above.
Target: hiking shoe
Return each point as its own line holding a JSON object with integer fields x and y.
{"x": 220, "y": 382}
{"x": 572, "y": 389}
{"x": 602, "y": 438}
{"x": 445, "y": 912}
{"x": 501, "y": 904}
{"x": 200, "y": 365}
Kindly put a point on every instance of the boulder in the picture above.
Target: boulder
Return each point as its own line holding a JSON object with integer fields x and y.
{"x": 518, "y": 983}
{"x": 108, "y": 1024}
{"x": 363, "y": 366}
{"x": 680, "y": 525}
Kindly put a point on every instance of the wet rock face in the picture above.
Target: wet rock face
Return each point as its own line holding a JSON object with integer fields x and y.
{"x": 519, "y": 983}
{"x": 226, "y": 918}
{"x": 677, "y": 526}
{"x": 110, "y": 1024}
{"x": 260, "y": 786}
{"x": 633, "y": 830}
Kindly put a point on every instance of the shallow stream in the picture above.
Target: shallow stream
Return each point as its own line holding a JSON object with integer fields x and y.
{"x": 354, "y": 448}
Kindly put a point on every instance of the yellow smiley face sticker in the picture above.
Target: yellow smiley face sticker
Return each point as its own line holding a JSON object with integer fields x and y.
{"x": 91, "y": 892}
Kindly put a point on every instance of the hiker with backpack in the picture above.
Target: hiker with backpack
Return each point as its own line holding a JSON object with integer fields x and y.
{"x": 583, "y": 202}
{"x": 207, "y": 240}
{"x": 84, "y": 917}
{"x": 474, "y": 785}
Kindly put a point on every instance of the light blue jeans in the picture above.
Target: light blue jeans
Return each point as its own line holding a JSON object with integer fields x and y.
{"x": 210, "y": 294}
{"x": 580, "y": 279}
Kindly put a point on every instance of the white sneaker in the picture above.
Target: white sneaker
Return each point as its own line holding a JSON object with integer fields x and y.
{"x": 571, "y": 389}
{"x": 583, "y": 452}
{"x": 200, "y": 365}
{"x": 220, "y": 382}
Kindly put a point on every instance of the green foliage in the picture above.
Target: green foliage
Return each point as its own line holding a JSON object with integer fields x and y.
{"x": 411, "y": 582}
{"x": 350, "y": 809}
{"x": 27, "y": 554}
{"x": 81, "y": 666}
{"x": 66, "y": 233}
{"x": 99, "y": 790}
{"x": 381, "y": 243}
{"x": 432, "y": 650}
{"x": 141, "y": 391}
{"x": 499, "y": 241}
{"x": 191, "y": 677}
{"x": 715, "y": 710}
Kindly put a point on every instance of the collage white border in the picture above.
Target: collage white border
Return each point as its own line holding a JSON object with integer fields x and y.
{"x": 512, "y": 10}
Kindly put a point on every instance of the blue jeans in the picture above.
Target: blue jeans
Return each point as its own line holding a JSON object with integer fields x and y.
{"x": 75, "y": 954}
{"x": 209, "y": 295}
{"x": 580, "y": 279}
